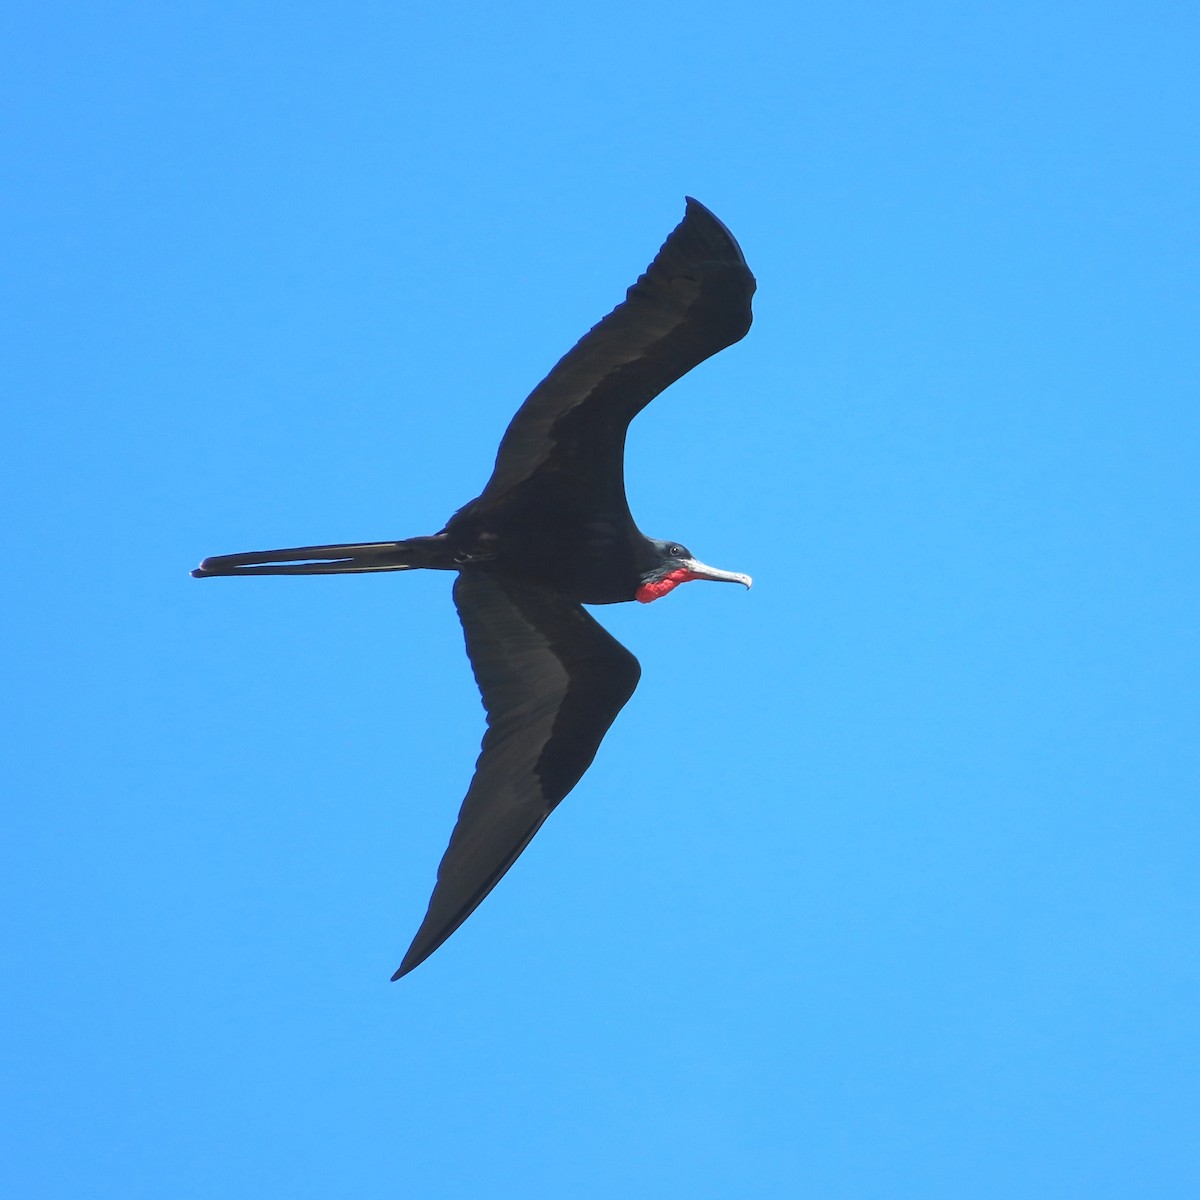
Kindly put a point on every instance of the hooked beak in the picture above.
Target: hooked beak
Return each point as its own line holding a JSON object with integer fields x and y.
{"x": 699, "y": 570}
{"x": 684, "y": 571}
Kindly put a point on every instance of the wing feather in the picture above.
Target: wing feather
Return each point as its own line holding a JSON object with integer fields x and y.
{"x": 692, "y": 301}
{"x": 552, "y": 682}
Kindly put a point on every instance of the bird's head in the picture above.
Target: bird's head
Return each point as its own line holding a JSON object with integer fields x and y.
{"x": 674, "y": 565}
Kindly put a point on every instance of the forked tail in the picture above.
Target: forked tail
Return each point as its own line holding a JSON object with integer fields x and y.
{"x": 348, "y": 558}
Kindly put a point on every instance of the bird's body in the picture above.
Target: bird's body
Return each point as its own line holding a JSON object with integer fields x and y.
{"x": 550, "y": 532}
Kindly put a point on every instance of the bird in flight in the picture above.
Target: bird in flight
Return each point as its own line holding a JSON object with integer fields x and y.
{"x": 550, "y": 533}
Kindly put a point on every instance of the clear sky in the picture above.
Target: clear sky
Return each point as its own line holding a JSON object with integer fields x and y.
{"x": 884, "y": 884}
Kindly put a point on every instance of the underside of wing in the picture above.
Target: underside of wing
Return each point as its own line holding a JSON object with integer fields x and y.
{"x": 552, "y": 682}
{"x": 693, "y": 300}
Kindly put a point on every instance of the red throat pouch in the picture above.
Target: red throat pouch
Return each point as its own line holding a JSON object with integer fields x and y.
{"x": 668, "y": 583}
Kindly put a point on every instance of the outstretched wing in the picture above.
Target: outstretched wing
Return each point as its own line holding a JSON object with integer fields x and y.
{"x": 552, "y": 682}
{"x": 693, "y": 300}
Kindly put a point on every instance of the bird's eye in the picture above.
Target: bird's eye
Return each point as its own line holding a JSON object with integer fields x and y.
{"x": 677, "y": 551}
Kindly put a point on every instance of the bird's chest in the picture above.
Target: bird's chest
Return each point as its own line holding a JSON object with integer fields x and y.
{"x": 589, "y": 560}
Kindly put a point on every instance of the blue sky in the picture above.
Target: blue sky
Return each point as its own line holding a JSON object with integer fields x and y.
{"x": 884, "y": 884}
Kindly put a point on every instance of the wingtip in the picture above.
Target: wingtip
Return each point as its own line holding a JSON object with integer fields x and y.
{"x": 409, "y": 963}
{"x": 700, "y": 221}
{"x": 694, "y": 209}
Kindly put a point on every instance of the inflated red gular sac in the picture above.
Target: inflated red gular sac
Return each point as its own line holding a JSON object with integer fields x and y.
{"x": 678, "y": 566}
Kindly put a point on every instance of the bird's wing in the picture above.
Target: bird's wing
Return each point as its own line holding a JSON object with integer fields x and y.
{"x": 552, "y": 682}
{"x": 693, "y": 300}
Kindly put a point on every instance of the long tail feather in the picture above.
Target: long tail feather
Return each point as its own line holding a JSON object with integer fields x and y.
{"x": 346, "y": 558}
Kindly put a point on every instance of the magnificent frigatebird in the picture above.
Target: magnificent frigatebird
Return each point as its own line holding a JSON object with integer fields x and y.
{"x": 551, "y": 532}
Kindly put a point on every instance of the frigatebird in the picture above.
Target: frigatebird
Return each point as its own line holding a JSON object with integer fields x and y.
{"x": 549, "y": 533}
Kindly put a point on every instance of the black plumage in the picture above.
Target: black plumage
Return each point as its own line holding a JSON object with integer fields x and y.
{"x": 550, "y": 532}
